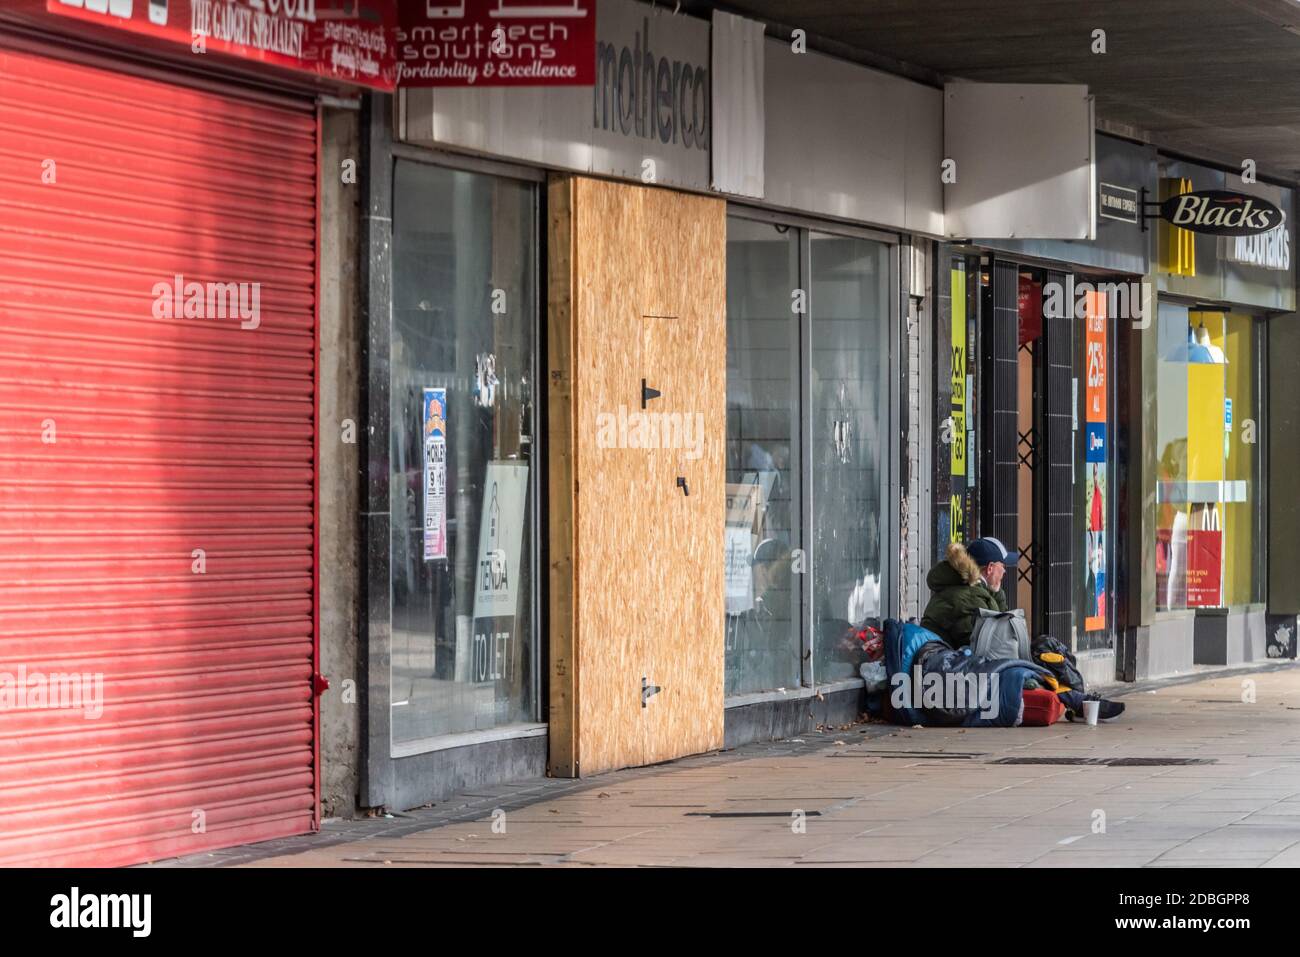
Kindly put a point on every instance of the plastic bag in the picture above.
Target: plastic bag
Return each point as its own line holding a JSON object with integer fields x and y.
{"x": 873, "y": 673}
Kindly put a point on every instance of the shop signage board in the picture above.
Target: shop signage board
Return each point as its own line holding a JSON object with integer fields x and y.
{"x": 434, "y": 430}
{"x": 646, "y": 117}
{"x": 1270, "y": 250}
{"x": 1118, "y": 203}
{"x": 497, "y": 575}
{"x": 1022, "y": 161}
{"x": 1221, "y": 212}
{"x": 348, "y": 41}
{"x": 496, "y": 43}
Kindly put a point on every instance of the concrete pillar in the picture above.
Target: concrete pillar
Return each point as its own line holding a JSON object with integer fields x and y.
{"x": 340, "y": 465}
{"x": 1283, "y": 463}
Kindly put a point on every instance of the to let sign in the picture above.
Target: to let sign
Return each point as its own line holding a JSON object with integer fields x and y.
{"x": 497, "y": 43}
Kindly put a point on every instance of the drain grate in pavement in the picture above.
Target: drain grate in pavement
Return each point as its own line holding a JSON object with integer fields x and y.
{"x": 1111, "y": 762}
{"x": 949, "y": 755}
{"x": 784, "y": 814}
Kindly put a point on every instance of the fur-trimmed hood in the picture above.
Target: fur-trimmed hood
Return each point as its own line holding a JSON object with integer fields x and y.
{"x": 956, "y": 596}
{"x": 957, "y": 568}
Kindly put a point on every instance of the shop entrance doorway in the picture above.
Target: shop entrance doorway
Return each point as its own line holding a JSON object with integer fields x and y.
{"x": 1045, "y": 354}
{"x": 1030, "y": 418}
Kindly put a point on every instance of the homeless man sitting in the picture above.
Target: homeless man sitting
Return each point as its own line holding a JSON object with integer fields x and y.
{"x": 970, "y": 578}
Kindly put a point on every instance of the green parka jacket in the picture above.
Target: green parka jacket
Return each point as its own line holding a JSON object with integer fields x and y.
{"x": 956, "y": 595}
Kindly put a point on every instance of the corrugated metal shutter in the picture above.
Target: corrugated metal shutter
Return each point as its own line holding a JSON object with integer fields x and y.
{"x": 129, "y": 442}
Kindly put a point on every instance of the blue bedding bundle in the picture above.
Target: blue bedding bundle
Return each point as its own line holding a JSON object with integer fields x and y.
{"x": 933, "y": 684}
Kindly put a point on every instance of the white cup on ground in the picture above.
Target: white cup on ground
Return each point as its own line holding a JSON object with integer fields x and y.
{"x": 1090, "y": 712}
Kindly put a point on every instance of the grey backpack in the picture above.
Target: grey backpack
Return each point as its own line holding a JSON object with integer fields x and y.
{"x": 1000, "y": 634}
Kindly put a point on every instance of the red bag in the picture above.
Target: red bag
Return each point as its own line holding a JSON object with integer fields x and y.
{"x": 1042, "y": 707}
{"x": 874, "y": 644}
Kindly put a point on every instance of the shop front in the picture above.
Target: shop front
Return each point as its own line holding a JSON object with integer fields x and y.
{"x": 821, "y": 277}
{"x": 159, "y": 529}
{"x": 1203, "y": 399}
{"x": 1028, "y": 357}
{"x": 808, "y": 406}
{"x": 451, "y": 523}
{"x": 695, "y": 279}
{"x": 541, "y": 333}
{"x": 730, "y": 238}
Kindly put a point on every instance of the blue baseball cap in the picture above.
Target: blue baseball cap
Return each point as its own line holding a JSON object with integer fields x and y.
{"x": 985, "y": 551}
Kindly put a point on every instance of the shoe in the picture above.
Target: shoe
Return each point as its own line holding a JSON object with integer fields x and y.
{"x": 1073, "y": 701}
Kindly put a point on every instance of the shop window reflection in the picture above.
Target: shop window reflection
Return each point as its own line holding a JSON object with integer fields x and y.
{"x": 464, "y": 310}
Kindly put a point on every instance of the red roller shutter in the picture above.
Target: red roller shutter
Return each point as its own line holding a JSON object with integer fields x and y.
{"x": 129, "y": 442}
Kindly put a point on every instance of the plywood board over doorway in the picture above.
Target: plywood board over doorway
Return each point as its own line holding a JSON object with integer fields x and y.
{"x": 638, "y": 291}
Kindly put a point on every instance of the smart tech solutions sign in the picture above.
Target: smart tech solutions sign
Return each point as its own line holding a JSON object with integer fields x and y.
{"x": 495, "y": 43}
{"x": 646, "y": 117}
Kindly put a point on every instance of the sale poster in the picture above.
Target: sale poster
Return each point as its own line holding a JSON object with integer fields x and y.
{"x": 434, "y": 430}
{"x": 1204, "y": 567}
{"x": 958, "y": 381}
{"x": 1095, "y": 462}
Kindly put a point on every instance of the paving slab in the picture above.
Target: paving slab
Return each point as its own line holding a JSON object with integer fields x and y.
{"x": 894, "y": 798}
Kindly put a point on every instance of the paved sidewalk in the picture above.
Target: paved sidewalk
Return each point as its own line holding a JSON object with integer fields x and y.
{"x": 877, "y": 794}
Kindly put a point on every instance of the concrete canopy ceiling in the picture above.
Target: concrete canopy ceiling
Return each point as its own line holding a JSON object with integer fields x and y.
{"x": 1215, "y": 79}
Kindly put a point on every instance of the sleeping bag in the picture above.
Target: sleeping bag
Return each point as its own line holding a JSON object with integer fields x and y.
{"x": 934, "y": 684}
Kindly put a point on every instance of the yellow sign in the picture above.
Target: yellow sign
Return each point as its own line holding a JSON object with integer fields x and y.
{"x": 958, "y": 373}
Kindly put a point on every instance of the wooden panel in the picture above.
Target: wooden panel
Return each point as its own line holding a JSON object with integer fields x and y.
{"x": 684, "y": 356}
{"x": 647, "y": 299}
{"x": 615, "y": 491}
{"x": 562, "y": 717}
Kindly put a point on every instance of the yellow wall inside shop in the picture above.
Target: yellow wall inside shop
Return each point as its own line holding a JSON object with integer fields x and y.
{"x": 1238, "y": 527}
{"x": 1204, "y": 422}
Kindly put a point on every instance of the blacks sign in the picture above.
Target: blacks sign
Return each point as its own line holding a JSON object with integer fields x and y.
{"x": 1221, "y": 213}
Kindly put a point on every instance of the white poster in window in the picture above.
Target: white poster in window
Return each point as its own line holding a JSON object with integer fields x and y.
{"x": 739, "y": 570}
{"x": 500, "y": 540}
{"x": 434, "y": 430}
{"x": 743, "y": 507}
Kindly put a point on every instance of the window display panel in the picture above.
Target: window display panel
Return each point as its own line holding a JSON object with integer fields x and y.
{"x": 1242, "y": 581}
{"x": 464, "y": 313}
{"x": 1172, "y": 512}
{"x": 849, "y": 302}
{"x": 762, "y": 524}
{"x": 1207, "y": 492}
